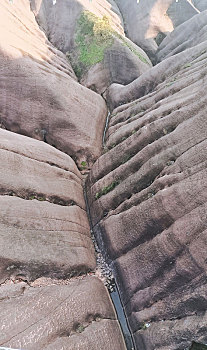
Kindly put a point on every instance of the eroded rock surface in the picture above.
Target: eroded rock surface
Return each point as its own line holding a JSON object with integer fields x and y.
{"x": 187, "y": 35}
{"x": 169, "y": 73}
{"x": 148, "y": 201}
{"x": 146, "y": 194}
{"x": 39, "y": 94}
{"x": 148, "y": 22}
{"x": 43, "y": 222}
{"x": 78, "y": 315}
{"x": 200, "y": 4}
{"x": 44, "y": 241}
{"x": 92, "y": 36}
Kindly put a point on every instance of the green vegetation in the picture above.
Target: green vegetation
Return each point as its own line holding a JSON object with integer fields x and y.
{"x": 106, "y": 189}
{"x": 197, "y": 346}
{"x": 83, "y": 165}
{"x": 145, "y": 325}
{"x": 80, "y": 328}
{"x": 93, "y": 36}
{"x": 36, "y": 197}
{"x": 132, "y": 49}
{"x": 126, "y": 158}
{"x": 172, "y": 82}
{"x": 187, "y": 65}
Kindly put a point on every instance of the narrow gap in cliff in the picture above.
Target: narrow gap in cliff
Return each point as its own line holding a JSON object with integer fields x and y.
{"x": 104, "y": 272}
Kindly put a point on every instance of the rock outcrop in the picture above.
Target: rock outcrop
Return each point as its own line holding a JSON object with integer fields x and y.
{"x": 44, "y": 241}
{"x": 92, "y": 36}
{"x": 187, "y": 35}
{"x": 148, "y": 195}
{"x": 75, "y": 315}
{"x": 44, "y": 225}
{"x": 148, "y": 22}
{"x": 146, "y": 188}
{"x": 39, "y": 94}
{"x": 201, "y": 5}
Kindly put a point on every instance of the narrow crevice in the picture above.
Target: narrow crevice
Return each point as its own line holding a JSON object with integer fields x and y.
{"x": 107, "y": 275}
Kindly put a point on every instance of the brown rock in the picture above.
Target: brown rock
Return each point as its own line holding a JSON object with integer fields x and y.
{"x": 92, "y": 35}
{"x": 164, "y": 75}
{"x": 39, "y": 94}
{"x": 79, "y": 315}
{"x": 148, "y": 197}
{"x": 46, "y": 231}
{"x": 188, "y": 34}
{"x": 147, "y": 23}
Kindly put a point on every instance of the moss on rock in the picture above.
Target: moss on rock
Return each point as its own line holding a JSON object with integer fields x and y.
{"x": 93, "y": 36}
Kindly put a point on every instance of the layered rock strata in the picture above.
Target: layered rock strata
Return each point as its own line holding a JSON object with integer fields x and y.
{"x": 44, "y": 225}
{"x": 44, "y": 242}
{"x": 146, "y": 193}
{"x": 147, "y": 197}
{"x": 148, "y": 22}
{"x": 187, "y": 35}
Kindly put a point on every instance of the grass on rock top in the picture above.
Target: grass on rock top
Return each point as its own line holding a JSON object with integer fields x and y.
{"x": 93, "y": 36}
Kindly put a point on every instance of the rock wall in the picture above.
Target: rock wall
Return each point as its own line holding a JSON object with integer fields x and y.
{"x": 40, "y": 96}
{"x": 50, "y": 295}
{"x": 147, "y": 22}
{"x": 73, "y": 25}
{"x": 146, "y": 179}
{"x": 148, "y": 198}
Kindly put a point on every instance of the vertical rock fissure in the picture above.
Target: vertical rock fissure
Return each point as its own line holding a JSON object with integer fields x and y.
{"x": 110, "y": 282}
{"x": 106, "y": 128}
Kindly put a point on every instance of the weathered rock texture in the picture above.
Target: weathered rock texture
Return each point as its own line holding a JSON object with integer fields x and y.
{"x": 162, "y": 73}
{"x": 200, "y": 4}
{"x": 148, "y": 196}
{"x": 39, "y": 94}
{"x": 59, "y": 317}
{"x": 43, "y": 223}
{"x": 91, "y": 34}
{"x": 147, "y": 22}
{"x": 44, "y": 240}
{"x": 147, "y": 193}
{"x": 187, "y": 35}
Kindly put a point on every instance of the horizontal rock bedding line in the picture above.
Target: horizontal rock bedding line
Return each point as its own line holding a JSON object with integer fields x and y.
{"x": 56, "y": 237}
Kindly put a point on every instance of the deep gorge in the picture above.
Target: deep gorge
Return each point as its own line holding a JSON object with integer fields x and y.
{"x": 103, "y": 136}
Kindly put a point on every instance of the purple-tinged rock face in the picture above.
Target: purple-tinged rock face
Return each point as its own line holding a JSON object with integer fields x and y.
{"x": 147, "y": 197}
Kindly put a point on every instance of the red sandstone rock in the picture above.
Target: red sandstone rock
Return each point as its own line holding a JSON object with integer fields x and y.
{"x": 189, "y": 34}
{"x": 122, "y": 60}
{"x": 39, "y": 94}
{"x": 46, "y": 231}
{"x": 147, "y": 22}
{"x": 148, "y": 197}
{"x": 79, "y": 315}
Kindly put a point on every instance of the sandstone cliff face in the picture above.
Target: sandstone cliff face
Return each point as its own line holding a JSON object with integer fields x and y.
{"x": 146, "y": 188}
{"x": 44, "y": 242}
{"x": 40, "y": 96}
{"x": 147, "y": 22}
{"x": 50, "y": 297}
{"x": 148, "y": 198}
{"x": 59, "y": 317}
